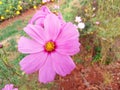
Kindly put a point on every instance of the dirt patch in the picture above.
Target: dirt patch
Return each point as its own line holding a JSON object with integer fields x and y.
{"x": 92, "y": 77}
{"x": 22, "y": 16}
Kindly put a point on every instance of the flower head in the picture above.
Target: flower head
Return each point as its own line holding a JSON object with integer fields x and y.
{"x": 1, "y": 2}
{"x": 7, "y": 10}
{"x": 9, "y": 87}
{"x": 45, "y": 1}
{"x": 2, "y": 17}
{"x": 20, "y": 7}
{"x": 81, "y": 25}
{"x": 38, "y": 18}
{"x": 49, "y": 49}
{"x": 35, "y": 7}
{"x": 10, "y": 6}
{"x": 97, "y": 23}
{"x": 19, "y": 2}
{"x": 78, "y": 19}
{"x": 1, "y": 46}
{"x": 17, "y": 12}
{"x": 56, "y": 7}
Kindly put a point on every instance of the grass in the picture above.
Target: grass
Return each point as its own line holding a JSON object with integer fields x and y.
{"x": 11, "y": 30}
{"x": 9, "y": 37}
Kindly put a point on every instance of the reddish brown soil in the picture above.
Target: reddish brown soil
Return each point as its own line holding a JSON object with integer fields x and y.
{"x": 90, "y": 77}
{"x": 22, "y": 16}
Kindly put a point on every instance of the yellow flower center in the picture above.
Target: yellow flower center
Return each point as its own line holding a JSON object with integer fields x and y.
{"x": 50, "y": 46}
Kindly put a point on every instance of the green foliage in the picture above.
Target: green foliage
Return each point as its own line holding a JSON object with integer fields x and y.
{"x": 11, "y": 8}
{"x": 67, "y": 12}
{"x": 106, "y": 13}
{"x": 10, "y": 30}
{"x": 79, "y": 61}
{"x": 97, "y": 57}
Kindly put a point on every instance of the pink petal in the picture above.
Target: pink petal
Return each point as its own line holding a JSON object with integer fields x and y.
{"x": 47, "y": 73}
{"x": 26, "y": 45}
{"x": 69, "y": 47}
{"x": 40, "y": 22}
{"x": 37, "y": 16}
{"x": 45, "y": 9}
{"x": 36, "y": 32}
{"x": 41, "y": 14}
{"x": 52, "y": 26}
{"x": 33, "y": 62}
{"x": 68, "y": 40}
{"x": 9, "y": 87}
{"x": 15, "y": 89}
{"x": 61, "y": 18}
{"x": 62, "y": 64}
{"x": 69, "y": 31}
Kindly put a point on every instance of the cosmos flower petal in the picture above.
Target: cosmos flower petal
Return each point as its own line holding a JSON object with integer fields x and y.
{"x": 52, "y": 26}
{"x": 47, "y": 73}
{"x": 36, "y": 32}
{"x": 69, "y": 47}
{"x": 62, "y": 64}
{"x": 26, "y": 45}
{"x": 69, "y": 31}
{"x": 39, "y": 14}
{"x": 61, "y": 18}
{"x": 15, "y": 89}
{"x": 40, "y": 22}
{"x": 33, "y": 62}
{"x": 45, "y": 9}
{"x": 9, "y": 87}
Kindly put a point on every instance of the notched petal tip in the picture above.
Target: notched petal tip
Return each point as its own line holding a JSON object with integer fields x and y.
{"x": 45, "y": 9}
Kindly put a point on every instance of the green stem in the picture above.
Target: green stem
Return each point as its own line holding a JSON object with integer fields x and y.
{"x": 7, "y": 64}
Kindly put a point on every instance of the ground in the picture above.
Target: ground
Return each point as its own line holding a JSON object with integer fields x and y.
{"x": 87, "y": 75}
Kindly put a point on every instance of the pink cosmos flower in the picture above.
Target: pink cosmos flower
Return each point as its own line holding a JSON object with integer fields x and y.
{"x": 38, "y": 18}
{"x": 9, "y": 87}
{"x": 49, "y": 48}
{"x": 97, "y": 23}
{"x": 1, "y": 46}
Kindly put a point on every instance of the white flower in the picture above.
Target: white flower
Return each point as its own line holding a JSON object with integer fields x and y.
{"x": 78, "y": 19}
{"x": 94, "y": 8}
{"x": 56, "y": 7}
{"x": 44, "y": 1}
{"x": 81, "y": 25}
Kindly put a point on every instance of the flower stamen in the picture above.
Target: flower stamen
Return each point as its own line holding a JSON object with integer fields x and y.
{"x": 50, "y": 46}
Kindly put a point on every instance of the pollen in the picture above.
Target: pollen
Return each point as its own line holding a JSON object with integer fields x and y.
{"x": 50, "y": 46}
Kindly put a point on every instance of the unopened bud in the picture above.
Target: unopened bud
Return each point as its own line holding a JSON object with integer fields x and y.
{"x": 1, "y": 46}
